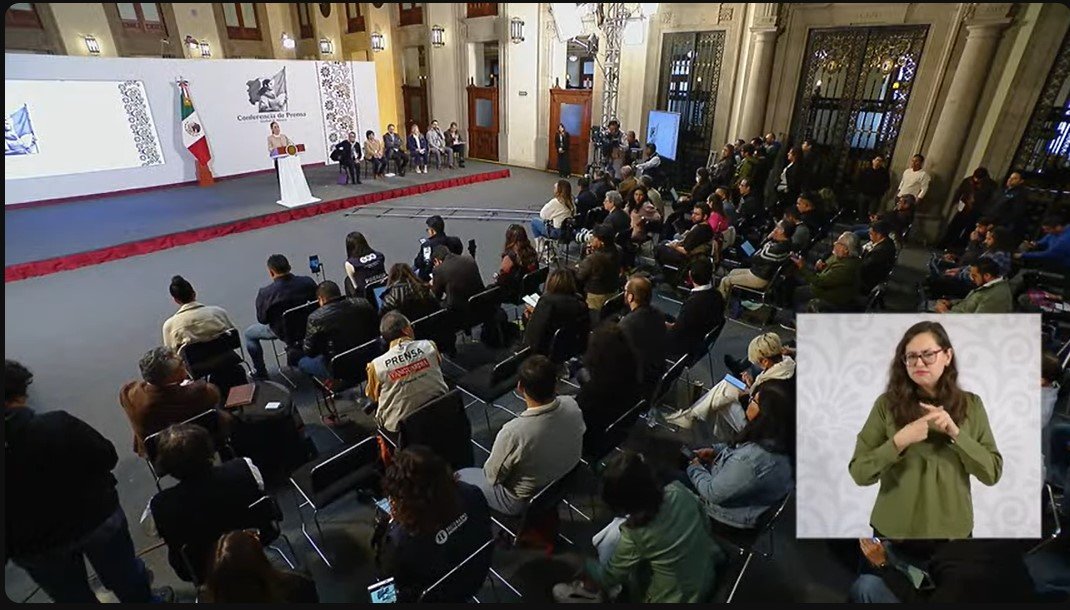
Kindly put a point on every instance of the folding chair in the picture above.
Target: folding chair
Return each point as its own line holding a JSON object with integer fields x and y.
{"x": 266, "y": 516}
{"x": 532, "y": 283}
{"x": 324, "y": 481}
{"x": 661, "y": 390}
{"x": 348, "y": 370}
{"x": 570, "y": 340}
{"x": 703, "y": 349}
{"x": 542, "y": 504}
{"x": 745, "y": 541}
{"x": 431, "y": 594}
{"x": 614, "y": 434}
{"x": 1057, "y": 528}
{"x": 490, "y": 382}
{"x": 764, "y": 296}
{"x": 442, "y": 426}
{"x": 613, "y": 306}
{"x": 294, "y": 323}
{"x": 209, "y": 420}
{"x": 481, "y": 307}
{"x": 217, "y": 359}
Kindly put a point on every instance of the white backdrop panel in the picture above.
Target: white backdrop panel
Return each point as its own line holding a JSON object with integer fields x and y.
{"x": 843, "y": 368}
{"x": 237, "y": 130}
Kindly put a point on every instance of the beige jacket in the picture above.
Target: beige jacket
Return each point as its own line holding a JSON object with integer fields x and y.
{"x": 195, "y": 323}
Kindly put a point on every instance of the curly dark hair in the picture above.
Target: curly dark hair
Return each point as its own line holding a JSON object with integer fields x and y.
{"x": 904, "y": 396}
{"x": 423, "y": 493}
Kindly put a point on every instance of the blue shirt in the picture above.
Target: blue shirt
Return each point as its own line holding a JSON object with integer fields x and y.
{"x": 1054, "y": 247}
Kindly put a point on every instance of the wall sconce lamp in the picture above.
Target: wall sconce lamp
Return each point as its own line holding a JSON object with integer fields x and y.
{"x": 378, "y": 42}
{"x": 438, "y": 36}
{"x": 288, "y": 42}
{"x": 206, "y": 51}
{"x": 191, "y": 42}
{"x": 91, "y": 44}
{"x": 516, "y": 30}
{"x": 326, "y": 46}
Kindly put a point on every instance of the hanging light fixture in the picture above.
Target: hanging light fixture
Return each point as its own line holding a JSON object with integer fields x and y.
{"x": 516, "y": 30}
{"x": 91, "y": 44}
{"x": 438, "y": 36}
{"x": 206, "y": 50}
{"x": 378, "y": 42}
{"x": 191, "y": 42}
{"x": 326, "y": 46}
{"x": 288, "y": 42}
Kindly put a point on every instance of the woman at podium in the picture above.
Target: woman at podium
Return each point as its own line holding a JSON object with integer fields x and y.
{"x": 277, "y": 140}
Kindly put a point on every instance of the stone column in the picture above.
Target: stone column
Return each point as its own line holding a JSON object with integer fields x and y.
{"x": 953, "y": 126}
{"x": 759, "y": 75}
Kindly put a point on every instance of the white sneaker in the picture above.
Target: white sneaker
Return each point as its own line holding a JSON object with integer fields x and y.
{"x": 390, "y": 174}
{"x": 575, "y": 593}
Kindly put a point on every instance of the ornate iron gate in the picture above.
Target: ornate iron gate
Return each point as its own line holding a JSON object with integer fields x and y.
{"x": 853, "y": 94}
{"x": 690, "y": 73}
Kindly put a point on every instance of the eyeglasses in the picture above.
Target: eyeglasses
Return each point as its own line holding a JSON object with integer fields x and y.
{"x": 928, "y": 356}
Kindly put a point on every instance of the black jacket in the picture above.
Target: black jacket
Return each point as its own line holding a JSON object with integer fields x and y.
{"x": 750, "y": 206}
{"x": 368, "y": 268}
{"x": 1008, "y": 209}
{"x": 57, "y": 479}
{"x": 198, "y": 511}
{"x": 339, "y": 325}
{"x": 457, "y": 278}
{"x": 422, "y": 263}
{"x": 698, "y": 235}
{"x": 348, "y": 152}
{"x": 600, "y": 189}
{"x": 619, "y": 221}
{"x": 412, "y": 303}
{"x": 599, "y": 272}
{"x": 391, "y": 143}
{"x": 877, "y": 264}
{"x": 285, "y": 292}
{"x": 700, "y": 312}
{"x": 552, "y": 312}
{"x": 417, "y": 562}
{"x": 586, "y": 201}
{"x": 874, "y": 183}
{"x": 645, "y": 330}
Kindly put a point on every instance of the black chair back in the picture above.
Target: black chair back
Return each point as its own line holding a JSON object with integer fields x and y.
{"x": 265, "y": 515}
{"x": 612, "y": 306}
{"x": 441, "y": 425}
{"x": 295, "y": 322}
{"x": 204, "y": 354}
{"x": 508, "y": 367}
{"x": 705, "y": 346}
{"x": 668, "y": 379}
{"x": 550, "y": 496}
{"x": 482, "y": 307}
{"x": 570, "y": 340}
{"x": 369, "y": 291}
{"x": 209, "y": 420}
{"x": 532, "y": 282}
{"x": 344, "y": 464}
{"x": 478, "y": 562}
{"x": 351, "y": 365}
{"x": 617, "y": 432}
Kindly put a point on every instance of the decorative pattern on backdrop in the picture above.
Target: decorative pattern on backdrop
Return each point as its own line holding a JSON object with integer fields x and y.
{"x": 337, "y": 103}
{"x": 843, "y": 368}
{"x": 141, "y": 125}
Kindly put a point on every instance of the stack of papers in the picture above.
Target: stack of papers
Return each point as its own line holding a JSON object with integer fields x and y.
{"x": 532, "y": 300}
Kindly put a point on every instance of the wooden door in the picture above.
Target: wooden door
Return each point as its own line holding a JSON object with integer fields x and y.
{"x": 483, "y": 122}
{"x": 415, "y": 99}
{"x": 573, "y": 108}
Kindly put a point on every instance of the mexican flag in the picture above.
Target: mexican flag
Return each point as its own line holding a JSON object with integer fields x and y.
{"x": 192, "y": 131}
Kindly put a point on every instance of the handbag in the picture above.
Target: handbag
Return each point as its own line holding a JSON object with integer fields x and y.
{"x": 342, "y": 178}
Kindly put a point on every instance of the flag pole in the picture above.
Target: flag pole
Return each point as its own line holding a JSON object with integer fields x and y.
{"x": 204, "y": 174}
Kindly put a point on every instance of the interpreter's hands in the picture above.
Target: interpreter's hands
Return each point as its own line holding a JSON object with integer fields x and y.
{"x": 874, "y": 552}
{"x": 941, "y": 421}
{"x": 747, "y": 378}
{"x": 914, "y": 432}
{"x": 942, "y": 306}
{"x": 705, "y": 455}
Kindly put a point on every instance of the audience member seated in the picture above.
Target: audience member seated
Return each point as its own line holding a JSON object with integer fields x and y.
{"x": 653, "y": 194}
{"x": 363, "y": 264}
{"x": 338, "y": 325}
{"x": 599, "y": 272}
{"x": 617, "y": 218}
{"x": 722, "y": 173}
{"x": 792, "y": 179}
{"x": 991, "y": 295}
{"x": 559, "y": 306}
{"x": 407, "y": 294}
{"x": 436, "y": 145}
{"x": 878, "y": 256}
{"x": 694, "y": 241}
{"x": 800, "y": 238}
{"x": 209, "y": 500}
{"x": 285, "y": 291}
{"x": 950, "y": 571}
{"x": 1053, "y": 250}
{"x": 810, "y": 214}
{"x": 718, "y": 218}
{"x": 456, "y": 279}
{"x": 974, "y": 247}
{"x": 540, "y": 446}
{"x": 456, "y": 143}
{"x": 165, "y": 396}
{"x": 518, "y": 259}
{"x": 586, "y": 199}
{"x": 240, "y": 572}
{"x": 407, "y": 376}
{"x": 435, "y": 523}
{"x": 722, "y": 407}
{"x": 833, "y": 284}
{"x": 764, "y": 264}
{"x": 748, "y": 164}
{"x": 193, "y": 322}
{"x": 554, "y": 213}
{"x": 1009, "y": 206}
{"x": 956, "y": 282}
{"x": 628, "y": 182}
{"x": 61, "y": 505}
{"x": 972, "y": 196}
{"x": 643, "y": 216}
{"x": 392, "y": 147}
{"x": 750, "y": 209}
{"x": 742, "y": 480}
{"x": 436, "y": 236}
{"x": 644, "y": 326}
{"x": 603, "y": 183}
{"x": 373, "y": 150}
{"x": 650, "y": 166}
{"x": 702, "y": 310}
{"x": 609, "y": 383}
{"x": 658, "y": 547}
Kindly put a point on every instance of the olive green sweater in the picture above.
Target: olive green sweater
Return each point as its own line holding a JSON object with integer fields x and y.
{"x": 925, "y": 489}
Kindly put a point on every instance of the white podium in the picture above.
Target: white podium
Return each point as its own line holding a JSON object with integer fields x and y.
{"x": 293, "y": 188}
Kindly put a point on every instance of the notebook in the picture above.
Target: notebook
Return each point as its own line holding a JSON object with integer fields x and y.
{"x": 240, "y": 396}
{"x": 532, "y": 300}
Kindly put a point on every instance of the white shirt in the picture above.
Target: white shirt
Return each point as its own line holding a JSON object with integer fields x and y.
{"x": 555, "y": 212}
{"x": 648, "y": 164}
{"x": 914, "y": 183}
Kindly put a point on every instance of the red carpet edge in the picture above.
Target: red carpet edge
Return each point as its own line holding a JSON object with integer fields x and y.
{"x": 149, "y": 245}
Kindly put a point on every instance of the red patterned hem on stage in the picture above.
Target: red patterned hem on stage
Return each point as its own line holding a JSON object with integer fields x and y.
{"x": 68, "y": 262}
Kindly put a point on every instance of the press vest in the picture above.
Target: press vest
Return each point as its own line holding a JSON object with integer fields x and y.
{"x": 409, "y": 375}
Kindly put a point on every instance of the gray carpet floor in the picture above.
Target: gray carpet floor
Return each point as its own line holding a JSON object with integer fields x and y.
{"x": 82, "y": 332}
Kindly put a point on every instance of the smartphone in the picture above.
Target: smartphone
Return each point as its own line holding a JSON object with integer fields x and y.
{"x": 690, "y": 455}
{"x": 384, "y": 592}
{"x": 736, "y": 382}
{"x": 314, "y": 263}
{"x": 383, "y": 505}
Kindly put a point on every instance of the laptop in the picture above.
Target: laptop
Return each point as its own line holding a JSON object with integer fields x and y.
{"x": 379, "y": 291}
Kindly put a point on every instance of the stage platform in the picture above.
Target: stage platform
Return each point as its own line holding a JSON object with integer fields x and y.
{"x": 45, "y": 239}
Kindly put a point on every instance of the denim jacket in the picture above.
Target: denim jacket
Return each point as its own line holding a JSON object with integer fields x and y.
{"x": 742, "y": 483}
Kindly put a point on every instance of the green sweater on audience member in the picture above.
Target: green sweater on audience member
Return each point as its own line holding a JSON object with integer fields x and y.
{"x": 672, "y": 559}
{"x": 925, "y": 489}
{"x": 839, "y": 283}
{"x": 993, "y": 297}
